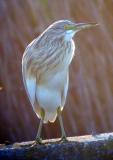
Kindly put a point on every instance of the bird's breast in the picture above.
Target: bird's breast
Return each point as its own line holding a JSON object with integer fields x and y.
{"x": 56, "y": 65}
{"x": 61, "y": 58}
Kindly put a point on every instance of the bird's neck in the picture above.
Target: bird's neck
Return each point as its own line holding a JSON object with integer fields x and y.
{"x": 69, "y": 35}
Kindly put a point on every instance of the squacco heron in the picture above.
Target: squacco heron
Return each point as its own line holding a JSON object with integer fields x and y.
{"x": 45, "y": 69}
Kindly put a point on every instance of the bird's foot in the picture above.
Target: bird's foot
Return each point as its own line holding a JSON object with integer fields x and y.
{"x": 63, "y": 139}
{"x": 38, "y": 141}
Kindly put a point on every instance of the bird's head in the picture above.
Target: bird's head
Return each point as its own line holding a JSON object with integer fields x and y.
{"x": 67, "y": 29}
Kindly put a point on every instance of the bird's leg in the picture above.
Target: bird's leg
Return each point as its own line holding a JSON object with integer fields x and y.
{"x": 38, "y": 137}
{"x": 63, "y": 137}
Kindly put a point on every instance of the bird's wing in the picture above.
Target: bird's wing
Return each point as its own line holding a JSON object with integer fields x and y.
{"x": 33, "y": 59}
{"x": 28, "y": 79}
{"x": 31, "y": 89}
{"x": 30, "y": 85}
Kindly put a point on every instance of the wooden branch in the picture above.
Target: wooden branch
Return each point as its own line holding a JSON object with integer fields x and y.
{"x": 97, "y": 147}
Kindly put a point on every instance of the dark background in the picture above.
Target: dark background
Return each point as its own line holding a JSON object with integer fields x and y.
{"x": 89, "y": 107}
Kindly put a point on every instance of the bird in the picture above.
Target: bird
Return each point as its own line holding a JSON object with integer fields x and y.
{"x": 45, "y": 71}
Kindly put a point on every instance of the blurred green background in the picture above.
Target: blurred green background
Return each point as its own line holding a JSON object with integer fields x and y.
{"x": 89, "y": 106}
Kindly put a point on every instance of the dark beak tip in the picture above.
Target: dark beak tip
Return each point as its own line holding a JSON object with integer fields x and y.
{"x": 95, "y": 24}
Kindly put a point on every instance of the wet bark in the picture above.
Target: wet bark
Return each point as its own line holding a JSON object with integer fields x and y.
{"x": 95, "y": 147}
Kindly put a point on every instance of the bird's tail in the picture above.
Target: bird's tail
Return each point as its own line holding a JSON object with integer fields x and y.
{"x": 50, "y": 116}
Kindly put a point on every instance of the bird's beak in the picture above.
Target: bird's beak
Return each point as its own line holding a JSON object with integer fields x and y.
{"x": 80, "y": 26}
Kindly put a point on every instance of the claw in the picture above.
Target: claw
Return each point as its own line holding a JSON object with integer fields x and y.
{"x": 63, "y": 139}
{"x": 38, "y": 141}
